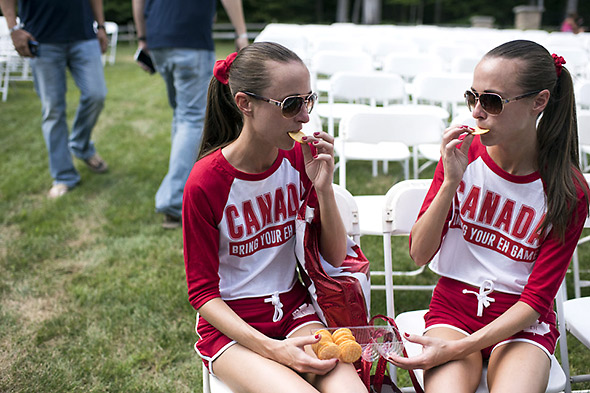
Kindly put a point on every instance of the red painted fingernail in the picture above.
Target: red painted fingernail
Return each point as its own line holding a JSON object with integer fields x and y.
{"x": 316, "y": 156}
{"x": 317, "y": 133}
{"x": 303, "y": 138}
{"x": 407, "y": 334}
{"x": 317, "y": 336}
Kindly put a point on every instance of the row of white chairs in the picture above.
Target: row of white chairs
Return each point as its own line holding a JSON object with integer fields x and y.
{"x": 446, "y": 43}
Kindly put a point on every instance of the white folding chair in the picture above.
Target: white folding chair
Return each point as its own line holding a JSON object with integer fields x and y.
{"x": 582, "y": 89}
{"x": 408, "y": 65}
{"x": 327, "y": 63}
{"x": 382, "y": 134}
{"x": 464, "y": 63}
{"x": 445, "y": 89}
{"x": 112, "y": 30}
{"x": 290, "y": 36}
{"x": 351, "y": 91}
{"x": 573, "y": 317}
{"x": 399, "y": 213}
{"x": 349, "y": 212}
{"x": 583, "y": 117}
{"x": 212, "y": 384}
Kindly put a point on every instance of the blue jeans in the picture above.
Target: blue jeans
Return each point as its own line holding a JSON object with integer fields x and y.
{"x": 187, "y": 73}
{"x": 49, "y": 75}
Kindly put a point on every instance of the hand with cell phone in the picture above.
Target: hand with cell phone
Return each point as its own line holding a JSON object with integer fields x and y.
{"x": 144, "y": 60}
{"x": 22, "y": 39}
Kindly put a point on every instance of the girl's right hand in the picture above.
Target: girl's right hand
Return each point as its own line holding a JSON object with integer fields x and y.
{"x": 455, "y": 159}
{"x": 292, "y": 354}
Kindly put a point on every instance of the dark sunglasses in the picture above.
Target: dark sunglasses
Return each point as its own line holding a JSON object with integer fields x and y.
{"x": 492, "y": 103}
{"x": 291, "y": 105}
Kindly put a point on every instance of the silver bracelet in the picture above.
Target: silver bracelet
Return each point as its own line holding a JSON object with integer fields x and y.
{"x": 243, "y": 35}
{"x": 15, "y": 28}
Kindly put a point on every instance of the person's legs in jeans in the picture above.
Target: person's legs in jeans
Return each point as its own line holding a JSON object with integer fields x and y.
{"x": 49, "y": 74}
{"x": 187, "y": 73}
{"x": 86, "y": 67}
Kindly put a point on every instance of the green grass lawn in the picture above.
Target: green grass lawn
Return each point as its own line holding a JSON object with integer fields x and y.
{"x": 92, "y": 289}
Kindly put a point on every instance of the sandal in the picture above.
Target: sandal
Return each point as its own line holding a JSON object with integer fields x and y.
{"x": 96, "y": 164}
{"x": 57, "y": 191}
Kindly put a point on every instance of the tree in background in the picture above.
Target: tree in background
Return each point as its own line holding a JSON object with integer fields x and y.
{"x": 445, "y": 12}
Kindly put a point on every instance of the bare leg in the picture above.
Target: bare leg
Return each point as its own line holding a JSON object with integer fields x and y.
{"x": 518, "y": 367}
{"x": 458, "y": 376}
{"x": 342, "y": 379}
{"x": 243, "y": 370}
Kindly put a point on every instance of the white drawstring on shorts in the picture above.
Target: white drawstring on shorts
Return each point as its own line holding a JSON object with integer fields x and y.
{"x": 276, "y": 301}
{"x": 483, "y": 300}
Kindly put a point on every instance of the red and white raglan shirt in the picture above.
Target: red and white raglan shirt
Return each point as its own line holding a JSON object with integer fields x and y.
{"x": 239, "y": 228}
{"x": 491, "y": 232}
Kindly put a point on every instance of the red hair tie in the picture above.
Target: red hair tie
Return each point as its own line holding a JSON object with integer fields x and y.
{"x": 221, "y": 68}
{"x": 559, "y": 62}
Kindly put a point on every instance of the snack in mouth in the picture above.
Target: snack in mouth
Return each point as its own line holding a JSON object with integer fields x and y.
{"x": 297, "y": 136}
{"x": 480, "y": 131}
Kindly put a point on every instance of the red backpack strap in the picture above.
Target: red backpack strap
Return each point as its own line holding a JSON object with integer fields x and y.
{"x": 391, "y": 322}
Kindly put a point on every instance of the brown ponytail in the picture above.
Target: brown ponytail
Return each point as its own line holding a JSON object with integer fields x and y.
{"x": 557, "y": 130}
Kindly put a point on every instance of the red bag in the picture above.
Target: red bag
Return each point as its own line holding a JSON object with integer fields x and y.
{"x": 341, "y": 296}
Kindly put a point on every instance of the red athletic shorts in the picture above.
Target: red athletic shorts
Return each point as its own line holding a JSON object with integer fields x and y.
{"x": 261, "y": 313}
{"x": 455, "y": 304}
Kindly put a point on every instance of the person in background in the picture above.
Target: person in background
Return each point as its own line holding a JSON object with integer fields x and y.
{"x": 178, "y": 35}
{"x": 572, "y": 24}
{"x": 255, "y": 318}
{"x": 56, "y": 35}
{"x": 504, "y": 214}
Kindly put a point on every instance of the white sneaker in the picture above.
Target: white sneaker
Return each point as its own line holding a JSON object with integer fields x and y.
{"x": 57, "y": 191}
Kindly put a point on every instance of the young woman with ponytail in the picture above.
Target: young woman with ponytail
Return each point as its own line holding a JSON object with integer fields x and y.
{"x": 503, "y": 217}
{"x": 240, "y": 203}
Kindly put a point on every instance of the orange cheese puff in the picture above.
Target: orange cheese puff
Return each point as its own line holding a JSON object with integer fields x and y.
{"x": 328, "y": 351}
{"x": 344, "y": 337}
{"x": 324, "y": 333}
{"x": 326, "y": 337}
{"x": 323, "y": 340}
{"x": 340, "y": 331}
{"x": 350, "y": 351}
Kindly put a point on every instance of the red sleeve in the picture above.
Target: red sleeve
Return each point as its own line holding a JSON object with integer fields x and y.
{"x": 202, "y": 208}
{"x": 553, "y": 260}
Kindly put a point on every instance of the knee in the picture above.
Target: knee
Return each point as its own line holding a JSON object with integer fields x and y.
{"x": 94, "y": 98}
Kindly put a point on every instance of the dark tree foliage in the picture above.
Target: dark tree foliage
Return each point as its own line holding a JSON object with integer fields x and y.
{"x": 452, "y": 12}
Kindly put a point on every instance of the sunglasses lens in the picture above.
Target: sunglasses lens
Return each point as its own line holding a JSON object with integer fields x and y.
{"x": 310, "y": 102}
{"x": 292, "y": 106}
{"x": 491, "y": 103}
{"x": 470, "y": 99}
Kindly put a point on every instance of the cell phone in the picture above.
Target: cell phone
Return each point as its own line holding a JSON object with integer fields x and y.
{"x": 34, "y": 48}
{"x": 145, "y": 59}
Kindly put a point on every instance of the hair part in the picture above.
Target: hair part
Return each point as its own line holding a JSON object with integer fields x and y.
{"x": 248, "y": 72}
{"x": 557, "y": 130}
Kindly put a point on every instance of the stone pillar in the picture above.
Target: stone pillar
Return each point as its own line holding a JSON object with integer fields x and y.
{"x": 528, "y": 17}
{"x": 482, "y": 21}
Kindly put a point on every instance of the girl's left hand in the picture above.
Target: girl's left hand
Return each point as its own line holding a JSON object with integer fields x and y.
{"x": 318, "y": 153}
{"x": 435, "y": 351}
